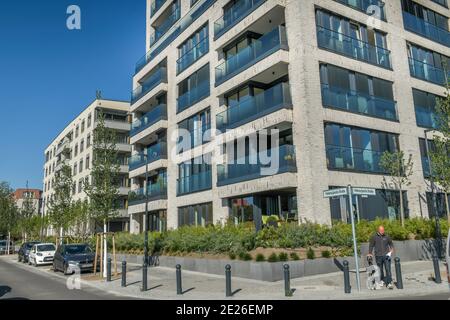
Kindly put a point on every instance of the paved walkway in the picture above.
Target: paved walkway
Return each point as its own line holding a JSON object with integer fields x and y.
{"x": 200, "y": 286}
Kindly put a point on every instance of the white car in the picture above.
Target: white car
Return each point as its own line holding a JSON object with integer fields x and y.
{"x": 42, "y": 253}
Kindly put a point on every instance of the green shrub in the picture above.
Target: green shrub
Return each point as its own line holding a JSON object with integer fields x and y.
{"x": 283, "y": 256}
{"x": 294, "y": 256}
{"x": 310, "y": 254}
{"x": 260, "y": 257}
{"x": 245, "y": 256}
{"x": 273, "y": 257}
{"x": 326, "y": 254}
{"x": 232, "y": 256}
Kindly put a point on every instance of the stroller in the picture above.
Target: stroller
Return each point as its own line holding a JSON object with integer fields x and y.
{"x": 374, "y": 281}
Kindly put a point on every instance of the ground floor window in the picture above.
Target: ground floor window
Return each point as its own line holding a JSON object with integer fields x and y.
{"x": 119, "y": 225}
{"x": 157, "y": 221}
{"x": 440, "y": 204}
{"x": 385, "y": 205}
{"x": 196, "y": 215}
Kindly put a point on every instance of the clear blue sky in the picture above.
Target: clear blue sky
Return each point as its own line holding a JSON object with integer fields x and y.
{"x": 48, "y": 73}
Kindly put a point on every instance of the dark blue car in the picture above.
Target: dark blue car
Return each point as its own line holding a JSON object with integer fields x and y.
{"x": 71, "y": 258}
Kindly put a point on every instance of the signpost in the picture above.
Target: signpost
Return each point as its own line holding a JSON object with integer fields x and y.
{"x": 350, "y": 191}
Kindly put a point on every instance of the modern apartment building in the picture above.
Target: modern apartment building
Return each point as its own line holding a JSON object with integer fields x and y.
{"x": 32, "y": 195}
{"x": 73, "y": 146}
{"x": 339, "y": 81}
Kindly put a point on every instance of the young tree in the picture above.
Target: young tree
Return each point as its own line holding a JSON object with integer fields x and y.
{"x": 60, "y": 203}
{"x": 103, "y": 189}
{"x": 27, "y": 211}
{"x": 9, "y": 215}
{"x": 440, "y": 153}
{"x": 80, "y": 218}
{"x": 399, "y": 171}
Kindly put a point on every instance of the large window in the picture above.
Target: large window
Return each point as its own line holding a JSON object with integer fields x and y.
{"x": 194, "y": 175}
{"x": 196, "y": 125}
{"x": 196, "y": 215}
{"x": 357, "y": 149}
{"x": 425, "y": 14}
{"x": 193, "y": 89}
{"x": 193, "y": 48}
{"x": 425, "y": 105}
{"x": 426, "y": 64}
{"x": 440, "y": 204}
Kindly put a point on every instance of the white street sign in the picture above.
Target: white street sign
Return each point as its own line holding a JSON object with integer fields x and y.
{"x": 335, "y": 193}
{"x": 364, "y": 191}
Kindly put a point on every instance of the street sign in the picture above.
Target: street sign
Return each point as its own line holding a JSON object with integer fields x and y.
{"x": 335, "y": 193}
{"x": 364, "y": 191}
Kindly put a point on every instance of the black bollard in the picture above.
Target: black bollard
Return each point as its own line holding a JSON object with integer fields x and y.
{"x": 287, "y": 281}
{"x": 398, "y": 273}
{"x": 144, "y": 276}
{"x": 108, "y": 270}
{"x": 124, "y": 274}
{"x": 437, "y": 271}
{"x": 228, "y": 280}
{"x": 347, "y": 287}
{"x": 179, "y": 287}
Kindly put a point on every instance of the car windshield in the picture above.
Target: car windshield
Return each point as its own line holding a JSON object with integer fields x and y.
{"x": 78, "y": 249}
{"x": 46, "y": 247}
{"x": 29, "y": 245}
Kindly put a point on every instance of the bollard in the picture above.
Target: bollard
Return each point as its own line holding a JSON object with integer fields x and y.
{"x": 124, "y": 274}
{"x": 144, "y": 276}
{"x": 398, "y": 273}
{"x": 347, "y": 287}
{"x": 437, "y": 271}
{"x": 179, "y": 287}
{"x": 108, "y": 270}
{"x": 287, "y": 281}
{"x": 228, "y": 280}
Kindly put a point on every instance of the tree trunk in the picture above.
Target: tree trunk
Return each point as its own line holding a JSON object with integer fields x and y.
{"x": 402, "y": 210}
{"x": 105, "y": 253}
{"x": 447, "y": 206}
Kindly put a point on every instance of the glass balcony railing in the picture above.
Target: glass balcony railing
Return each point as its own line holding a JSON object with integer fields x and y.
{"x": 364, "y": 6}
{"x": 353, "y": 48}
{"x": 354, "y": 159}
{"x": 155, "y": 79}
{"x": 198, "y": 51}
{"x": 426, "y": 29}
{"x": 441, "y": 2}
{"x": 233, "y": 15}
{"x": 155, "y": 191}
{"x": 165, "y": 26}
{"x": 193, "y": 96}
{"x": 427, "y": 72}
{"x": 426, "y": 118}
{"x": 150, "y": 118}
{"x": 257, "y": 50}
{"x": 195, "y": 183}
{"x": 248, "y": 170}
{"x": 194, "y": 138}
{"x": 154, "y": 153}
{"x": 156, "y": 5}
{"x": 254, "y": 107}
{"x": 358, "y": 102}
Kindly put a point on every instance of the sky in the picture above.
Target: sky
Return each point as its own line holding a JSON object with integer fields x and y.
{"x": 49, "y": 74}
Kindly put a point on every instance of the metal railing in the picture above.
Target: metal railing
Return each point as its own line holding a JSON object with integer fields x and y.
{"x": 194, "y": 183}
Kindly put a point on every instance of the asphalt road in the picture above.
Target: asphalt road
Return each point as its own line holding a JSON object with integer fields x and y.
{"x": 18, "y": 281}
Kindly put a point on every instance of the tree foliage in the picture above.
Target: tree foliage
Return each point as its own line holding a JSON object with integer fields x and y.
{"x": 9, "y": 215}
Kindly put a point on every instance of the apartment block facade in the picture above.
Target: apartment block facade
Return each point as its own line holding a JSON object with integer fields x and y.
{"x": 34, "y": 196}
{"x": 339, "y": 82}
{"x": 73, "y": 146}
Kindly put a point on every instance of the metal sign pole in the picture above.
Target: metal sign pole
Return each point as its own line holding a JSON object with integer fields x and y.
{"x": 355, "y": 249}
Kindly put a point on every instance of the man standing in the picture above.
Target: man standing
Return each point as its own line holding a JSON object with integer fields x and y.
{"x": 384, "y": 248}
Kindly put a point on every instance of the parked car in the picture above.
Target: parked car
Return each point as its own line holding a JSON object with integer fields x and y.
{"x": 4, "y": 247}
{"x": 69, "y": 258}
{"x": 42, "y": 253}
{"x": 24, "y": 250}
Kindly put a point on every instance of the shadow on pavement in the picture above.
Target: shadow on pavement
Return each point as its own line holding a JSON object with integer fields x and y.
{"x": 4, "y": 290}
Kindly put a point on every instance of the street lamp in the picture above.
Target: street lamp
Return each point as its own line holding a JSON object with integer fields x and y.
{"x": 146, "y": 211}
{"x": 433, "y": 193}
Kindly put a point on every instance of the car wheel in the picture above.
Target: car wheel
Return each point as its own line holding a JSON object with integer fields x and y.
{"x": 65, "y": 270}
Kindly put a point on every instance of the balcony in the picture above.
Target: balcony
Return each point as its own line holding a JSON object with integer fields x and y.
{"x": 165, "y": 26}
{"x": 156, "y": 5}
{"x": 195, "y": 183}
{"x": 258, "y": 50}
{"x": 195, "y": 137}
{"x": 184, "y": 23}
{"x": 155, "y": 191}
{"x": 426, "y": 118}
{"x": 363, "y": 5}
{"x": 249, "y": 170}
{"x": 359, "y": 102}
{"x": 158, "y": 113}
{"x": 273, "y": 99}
{"x": 426, "y": 29}
{"x": 353, "y": 48}
{"x": 235, "y": 14}
{"x": 63, "y": 147}
{"x": 155, "y": 79}
{"x": 154, "y": 153}
{"x": 193, "y": 96}
{"x": 193, "y": 55}
{"x": 354, "y": 159}
{"x": 427, "y": 72}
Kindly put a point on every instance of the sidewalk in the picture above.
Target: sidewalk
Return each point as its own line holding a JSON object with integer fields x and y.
{"x": 200, "y": 286}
